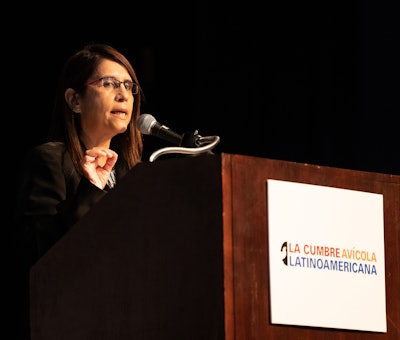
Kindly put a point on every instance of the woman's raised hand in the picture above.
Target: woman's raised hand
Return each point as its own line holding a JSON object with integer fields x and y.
{"x": 98, "y": 164}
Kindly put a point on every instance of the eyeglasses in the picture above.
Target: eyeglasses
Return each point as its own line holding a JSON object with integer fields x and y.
{"x": 111, "y": 82}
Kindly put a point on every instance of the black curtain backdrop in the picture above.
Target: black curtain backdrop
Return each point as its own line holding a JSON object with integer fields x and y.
{"x": 313, "y": 82}
{"x": 308, "y": 82}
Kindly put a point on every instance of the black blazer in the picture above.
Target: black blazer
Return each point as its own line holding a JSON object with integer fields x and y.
{"x": 52, "y": 197}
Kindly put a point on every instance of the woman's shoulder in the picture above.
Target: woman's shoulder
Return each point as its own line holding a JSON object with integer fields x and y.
{"x": 49, "y": 152}
{"x": 49, "y": 147}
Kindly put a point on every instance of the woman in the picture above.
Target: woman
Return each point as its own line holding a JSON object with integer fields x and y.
{"x": 93, "y": 142}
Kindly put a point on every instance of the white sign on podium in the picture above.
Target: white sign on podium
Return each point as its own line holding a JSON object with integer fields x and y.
{"x": 326, "y": 257}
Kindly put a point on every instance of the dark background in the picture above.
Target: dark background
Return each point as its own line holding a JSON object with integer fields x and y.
{"x": 313, "y": 82}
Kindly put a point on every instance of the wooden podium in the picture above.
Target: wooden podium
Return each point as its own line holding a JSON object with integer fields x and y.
{"x": 179, "y": 250}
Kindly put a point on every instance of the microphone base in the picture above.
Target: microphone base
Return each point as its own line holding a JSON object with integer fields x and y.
{"x": 189, "y": 139}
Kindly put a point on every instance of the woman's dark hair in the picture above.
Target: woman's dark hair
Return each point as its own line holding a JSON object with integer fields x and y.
{"x": 65, "y": 124}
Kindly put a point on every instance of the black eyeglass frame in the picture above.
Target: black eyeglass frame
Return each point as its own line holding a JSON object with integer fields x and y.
{"x": 129, "y": 85}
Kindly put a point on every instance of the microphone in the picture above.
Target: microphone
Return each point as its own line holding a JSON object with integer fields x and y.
{"x": 188, "y": 143}
{"x": 148, "y": 125}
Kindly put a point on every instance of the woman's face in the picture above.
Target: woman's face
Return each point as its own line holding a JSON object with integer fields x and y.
{"x": 105, "y": 111}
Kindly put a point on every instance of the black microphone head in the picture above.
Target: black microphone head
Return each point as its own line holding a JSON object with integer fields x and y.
{"x": 148, "y": 125}
{"x": 145, "y": 123}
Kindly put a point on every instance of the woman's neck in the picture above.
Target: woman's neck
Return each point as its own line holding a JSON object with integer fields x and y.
{"x": 90, "y": 143}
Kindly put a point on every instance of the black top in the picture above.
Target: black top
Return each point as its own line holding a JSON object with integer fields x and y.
{"x": 52, "y": 197}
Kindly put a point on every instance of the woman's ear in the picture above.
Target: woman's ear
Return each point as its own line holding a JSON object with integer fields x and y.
{"x": 72, "y": 99}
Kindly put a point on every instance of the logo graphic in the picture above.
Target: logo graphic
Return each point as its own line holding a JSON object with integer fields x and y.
{"x": 284, "y": 246}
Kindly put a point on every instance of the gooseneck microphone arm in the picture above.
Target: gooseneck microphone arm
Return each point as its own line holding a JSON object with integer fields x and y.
{"x": 212, "y": 141}
{"x": 188, "y": 143}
